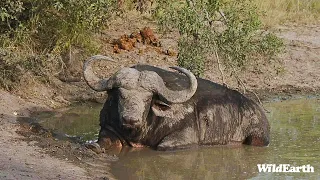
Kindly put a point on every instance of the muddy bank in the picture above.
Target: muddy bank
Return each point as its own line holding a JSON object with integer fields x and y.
{"x": 21, "y": 159}
{"x": 31, "y": 152}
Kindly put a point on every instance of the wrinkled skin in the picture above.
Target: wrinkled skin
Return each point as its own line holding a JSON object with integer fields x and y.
{"x": 133, "y": 115}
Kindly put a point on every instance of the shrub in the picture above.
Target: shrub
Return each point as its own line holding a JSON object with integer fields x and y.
{"x": 33, "y": 30}
{"x": 217, "y": 28}
{"x": 10, "y": 12}
{"x": 56, "y": 24}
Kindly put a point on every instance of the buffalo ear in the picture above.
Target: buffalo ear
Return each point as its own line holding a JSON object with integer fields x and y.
{"x": 161, "y": 108}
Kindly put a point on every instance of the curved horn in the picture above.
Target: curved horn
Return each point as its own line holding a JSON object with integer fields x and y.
{"x": 91, "y": 79}
{"x": 183, "y": 95}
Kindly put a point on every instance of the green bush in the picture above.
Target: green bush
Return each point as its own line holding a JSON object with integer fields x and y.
{"x": 33, "y": 30}
{"x": 10, "y": 12}
{"x": 191, "y": 56}
{"x": 54, "y": 25}
{"x": 228, "y": 29}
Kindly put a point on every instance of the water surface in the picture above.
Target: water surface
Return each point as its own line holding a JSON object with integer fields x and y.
{"x": 79, "y": 122}
{"x": 295, "y": 140}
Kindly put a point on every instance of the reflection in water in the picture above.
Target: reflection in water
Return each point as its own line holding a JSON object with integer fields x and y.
{"x": 295, "y": 140}
{"x": 81, "y": 121}
{"x": 204, "y": 163}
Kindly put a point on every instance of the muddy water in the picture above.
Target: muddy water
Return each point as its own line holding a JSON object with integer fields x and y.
{"x": 78, "y": 122}
{"x": 295, "y": 140}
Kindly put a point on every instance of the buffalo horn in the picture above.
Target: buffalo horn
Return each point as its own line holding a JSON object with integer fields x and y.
{"x": 182, "y": 95}
{"x": 91, "y": 79}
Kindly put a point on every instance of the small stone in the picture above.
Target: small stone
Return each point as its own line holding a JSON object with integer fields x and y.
{"x": 95, "y": 147}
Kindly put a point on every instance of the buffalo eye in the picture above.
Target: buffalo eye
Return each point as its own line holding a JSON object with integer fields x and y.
{"x": 161, "y": 105}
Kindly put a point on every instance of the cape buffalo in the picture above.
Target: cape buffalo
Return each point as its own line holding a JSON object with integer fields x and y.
{"x": 165, "y": 110}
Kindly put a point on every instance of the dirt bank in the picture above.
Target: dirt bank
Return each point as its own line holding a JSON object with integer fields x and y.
{"x": 30, "y": 152}
{"x": 32, "y": 155}
{"x": 23, "y": 160}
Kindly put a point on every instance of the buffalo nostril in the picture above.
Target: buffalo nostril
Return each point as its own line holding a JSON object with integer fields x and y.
{"x": 130, "y": 120}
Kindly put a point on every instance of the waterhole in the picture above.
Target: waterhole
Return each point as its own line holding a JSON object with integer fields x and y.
{"x": 79, "y": 122}
{"x": 295, "y": 140}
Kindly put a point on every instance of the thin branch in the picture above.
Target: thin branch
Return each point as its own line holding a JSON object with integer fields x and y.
{"x": 223, "y": 16}
{"x": 259, "y": 101}
{"x": 215, "y": 49}
{"x": 219, "y": 67}
{"x": 245, "y": 89}
{"x": 240, "y": 82}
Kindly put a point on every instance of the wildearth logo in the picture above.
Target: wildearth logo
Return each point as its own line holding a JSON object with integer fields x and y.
{"x": 285, "y": 168}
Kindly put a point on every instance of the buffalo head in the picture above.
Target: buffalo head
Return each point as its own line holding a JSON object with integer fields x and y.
{"x": 136, "y": 94}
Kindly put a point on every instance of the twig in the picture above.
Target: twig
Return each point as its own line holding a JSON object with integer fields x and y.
{"x": 219, "y": 67}
{"x": 245, "y": 88}
{"x": 259, "y": 101}
{"x": 215, "y": 50}
{"x": 223, "y": 16}
{"x": 237, "y": 78}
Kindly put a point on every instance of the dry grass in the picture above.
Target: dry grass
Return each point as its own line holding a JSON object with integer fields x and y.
{"x": 289, "y": 11}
